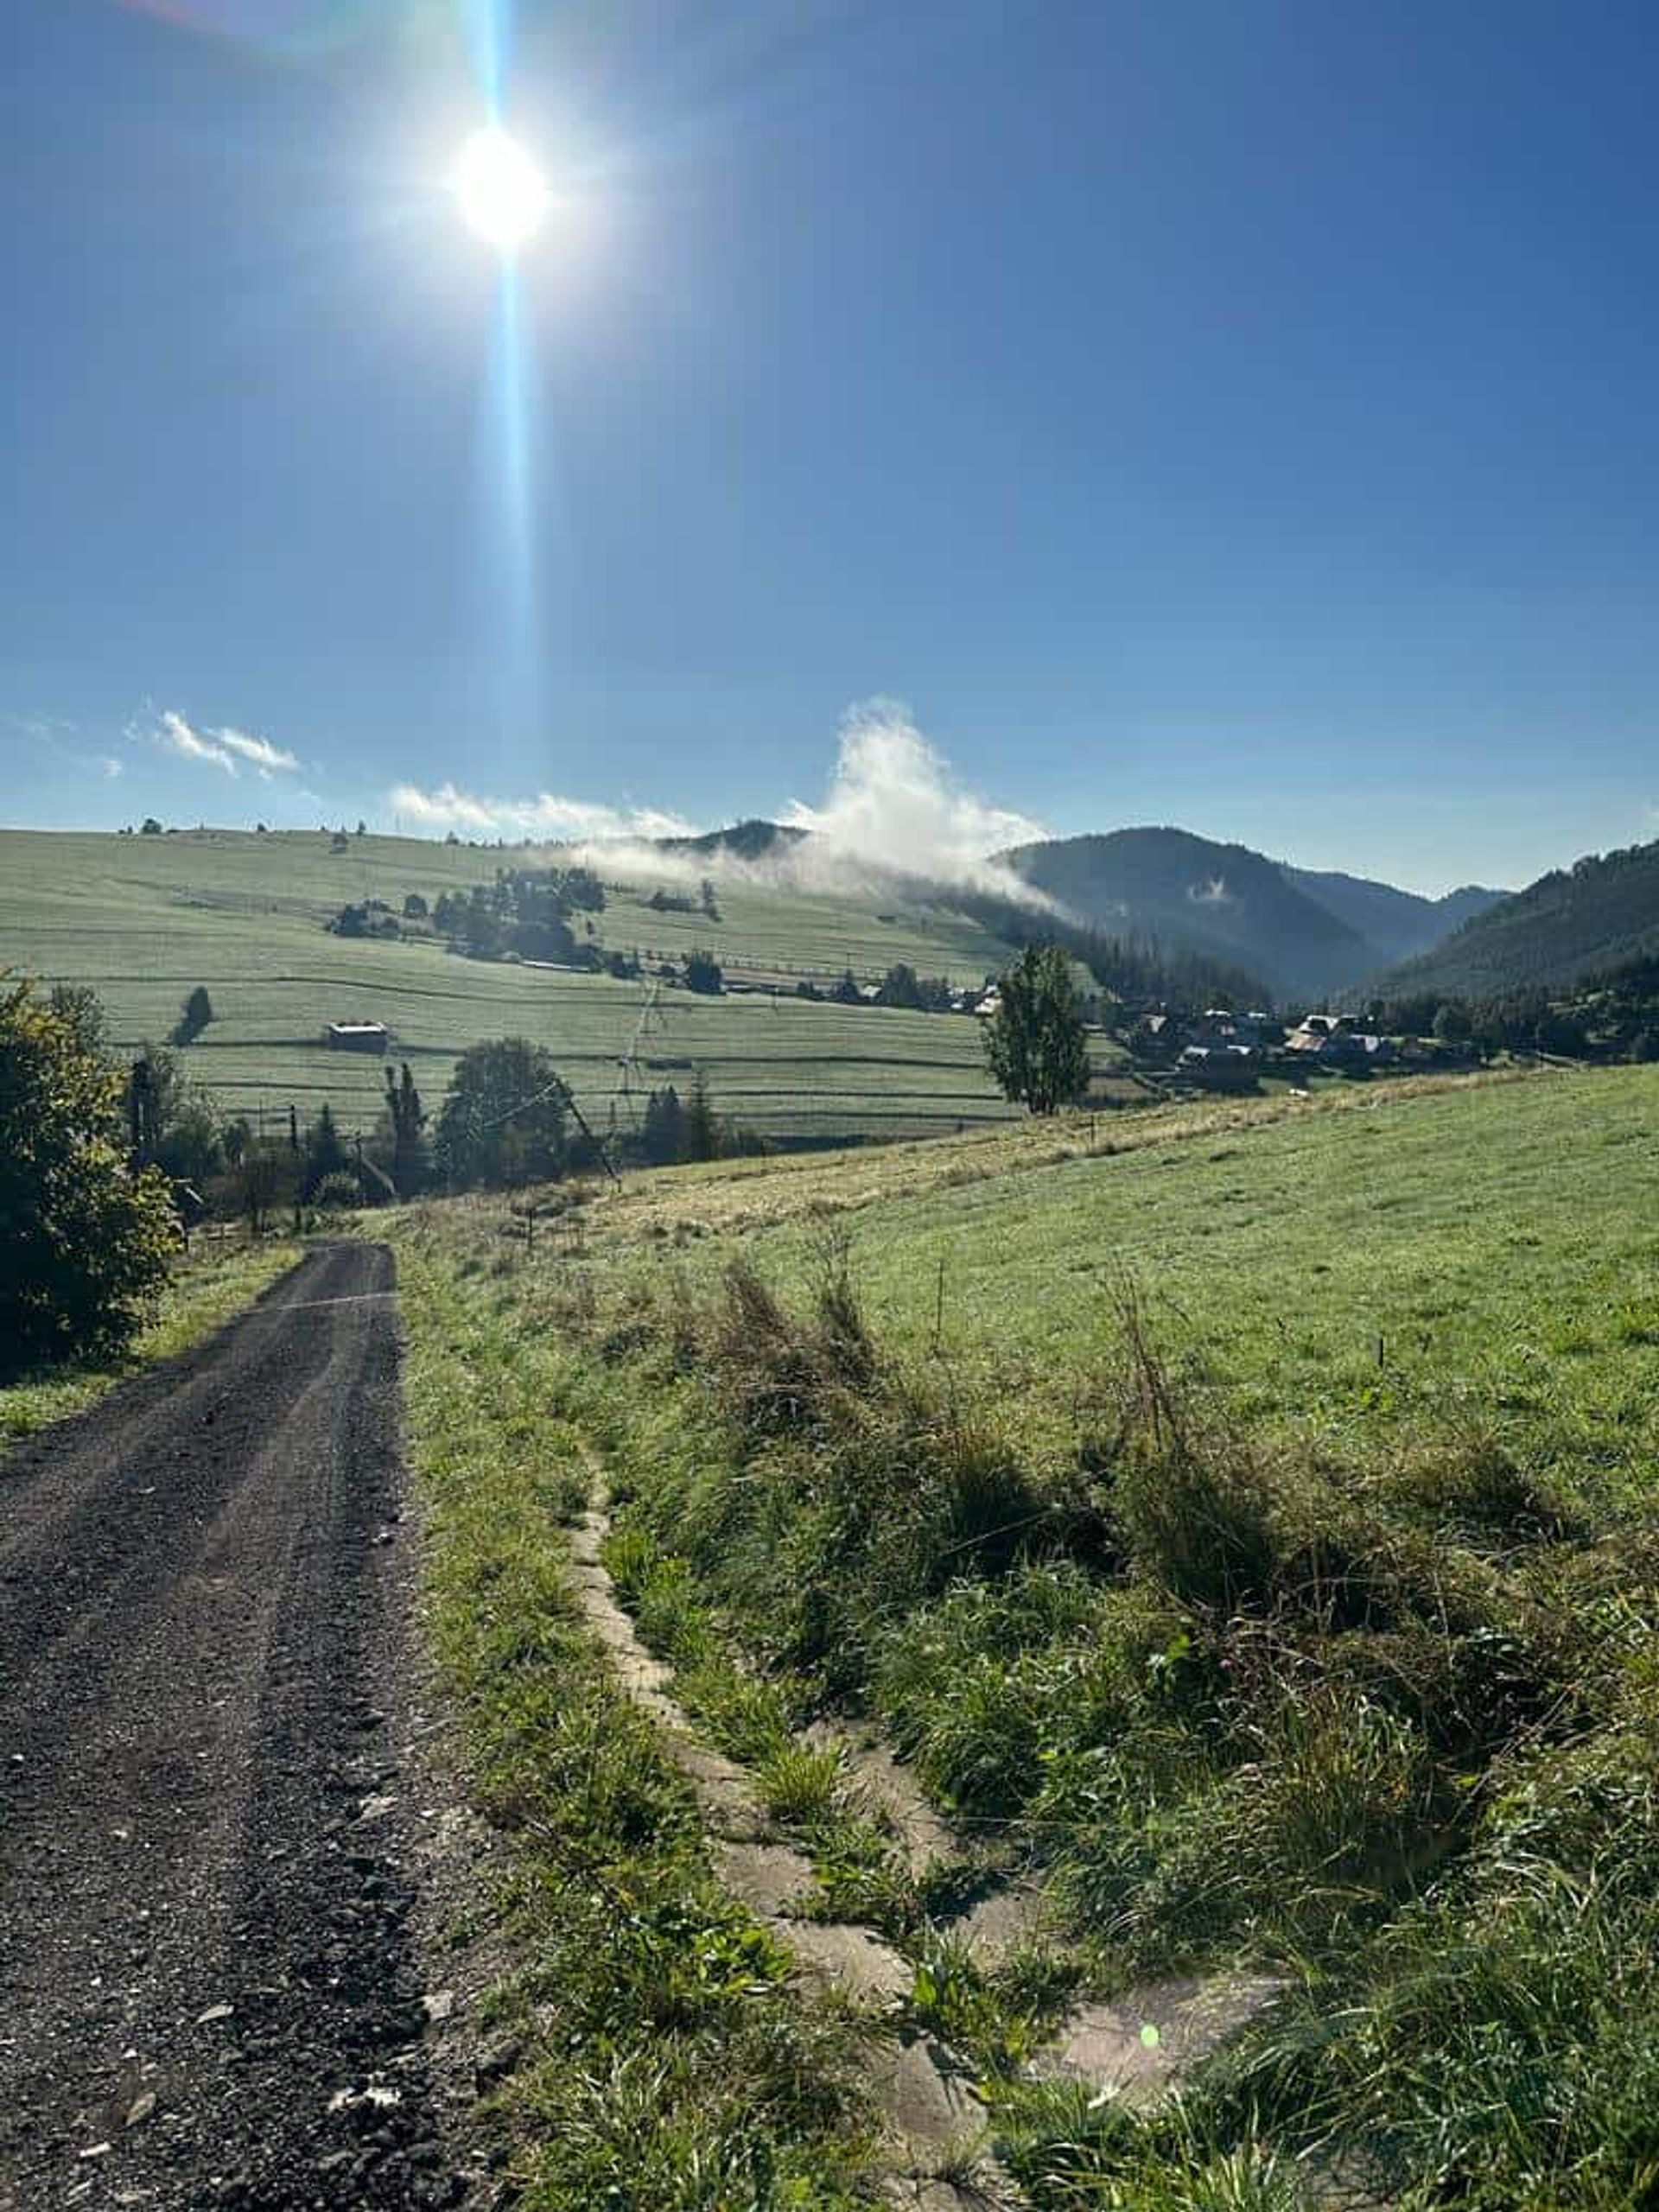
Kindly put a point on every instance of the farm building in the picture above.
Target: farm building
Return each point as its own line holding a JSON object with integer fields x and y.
{"x": 357, "y": 1036}
{"x": 1333, "y": 1039}
{"x": 1221, "y": 1067}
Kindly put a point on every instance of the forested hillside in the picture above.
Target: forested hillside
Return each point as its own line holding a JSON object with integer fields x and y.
{"x": 1190, "y": 894}
{"x": 1398, "y": 924}
{"x": 1577, "y": 922}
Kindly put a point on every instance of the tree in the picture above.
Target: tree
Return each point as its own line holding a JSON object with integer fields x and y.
{"x": 157, "y": 1094}
{"x": 85, "y": 1237}
{"x": 192, "y": 1146}
{"x": 502, "y": 1121}
{"x": 702, "y": 973}
{"x": 194, "y": 1017}
{"x": 173, "y": 1125}
{"x": 78, "y": 1005}
{"x": 662, "y": 1139}
{"x": 408, "y": 1118}
{"x": 1454, "y": 1024}
{"x": 1035, "y": 1041}
{"x": 325, "y": 1150}
{"x": 700, "y": 1123}
{"x": 899, "y": 987}
{"x": 266, "y": 1168}
{"x": 150, "y": 827}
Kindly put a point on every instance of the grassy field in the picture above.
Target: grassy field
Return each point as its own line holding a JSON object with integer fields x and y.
{"x": 1242, "y": 1518}
{"x": 144, "y": 919}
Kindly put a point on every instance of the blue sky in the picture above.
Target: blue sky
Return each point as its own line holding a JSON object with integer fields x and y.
{"x": 1221, "y": 412}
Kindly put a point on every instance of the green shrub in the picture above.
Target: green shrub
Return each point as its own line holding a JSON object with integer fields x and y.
{"x": 86, "y": 1241}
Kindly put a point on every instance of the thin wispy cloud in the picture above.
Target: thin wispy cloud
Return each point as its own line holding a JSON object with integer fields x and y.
{"x": 45, "y": 732}
{"x": 545, "y": 816}
{"x": 1212, "y": 892}
{"x": 260, "y": 751}
{"x": 220, "y": 748}
{"x": 174, "y": 735}
{"x": 50, "y": 735}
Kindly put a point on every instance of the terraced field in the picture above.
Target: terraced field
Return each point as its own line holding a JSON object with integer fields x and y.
{"x": 144, "y": 919}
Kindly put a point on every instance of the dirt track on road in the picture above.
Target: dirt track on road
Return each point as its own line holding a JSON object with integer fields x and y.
{"x": 209, "y": 1995}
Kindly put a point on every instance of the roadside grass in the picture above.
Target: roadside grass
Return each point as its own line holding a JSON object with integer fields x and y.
{"x": 666, "y": 2059}
{"x": 206, "y": 1289}
{"x": 1261, "y": 1647}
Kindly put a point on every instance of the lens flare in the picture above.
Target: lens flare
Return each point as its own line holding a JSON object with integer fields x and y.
{"x": 503, "y": 195}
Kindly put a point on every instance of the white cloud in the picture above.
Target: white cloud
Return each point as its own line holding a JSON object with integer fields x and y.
{"x": 265, "y": 755}
{"x": 894, "y": 808}
{"x": 219, "y": 748}
{"x": 112, "y": 766}
{"x": 895, "y": 805}
{"x": 544, "y": 817}
{"x": 176, "y": 735}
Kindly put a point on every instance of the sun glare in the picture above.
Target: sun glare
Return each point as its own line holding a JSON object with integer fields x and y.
{"x": 503, "y": 195}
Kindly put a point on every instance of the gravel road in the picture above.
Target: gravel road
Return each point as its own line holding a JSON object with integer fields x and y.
{"x": 209, "y": 1991}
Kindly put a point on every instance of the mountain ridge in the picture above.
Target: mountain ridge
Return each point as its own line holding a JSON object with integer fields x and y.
{"x": 1570, "y": 925}
{"x": 1306, "y": 933}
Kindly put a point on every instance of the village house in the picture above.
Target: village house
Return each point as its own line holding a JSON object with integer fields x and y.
{"x": 1220, "y": 1067}
{"x": 1332, "y": 1040}
{"x": 357, "y": 1036}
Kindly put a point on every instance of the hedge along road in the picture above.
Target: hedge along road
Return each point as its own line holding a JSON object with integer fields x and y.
{"x": 208, "y": 1989}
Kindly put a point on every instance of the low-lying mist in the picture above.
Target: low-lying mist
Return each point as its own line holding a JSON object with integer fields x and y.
{"x": 894, "y": 813}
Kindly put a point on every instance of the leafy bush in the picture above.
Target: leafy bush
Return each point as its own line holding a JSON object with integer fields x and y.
{"x": 86, "y": 1240}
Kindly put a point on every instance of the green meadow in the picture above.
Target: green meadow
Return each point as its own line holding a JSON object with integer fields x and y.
{"x": 144, "y": 919}
{"x": 1334, "y": 1262}
{"x": 1241, "y": 1520}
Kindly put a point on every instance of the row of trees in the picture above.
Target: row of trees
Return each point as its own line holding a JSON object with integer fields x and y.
{"x": 509, "y": 1118}
{"x": 1611, "y": 1016}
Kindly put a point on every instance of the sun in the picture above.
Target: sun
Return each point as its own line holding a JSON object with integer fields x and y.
{"x": 503, "y": 195}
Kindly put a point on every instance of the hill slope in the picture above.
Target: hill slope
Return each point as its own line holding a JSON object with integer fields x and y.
{"x": 1572, "y": 923}
{"x": 143, "y": 920}
{"x": 1397, "y": 923}
{"x": 1225, "y": 901}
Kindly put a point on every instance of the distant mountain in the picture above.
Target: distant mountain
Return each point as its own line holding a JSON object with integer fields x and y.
{"x": 744, "y": 841}
{"x": 1571, "y": 923}
{"x": 1397, "y": 923}
{"x": 1187, "y": 893}
{"x": 1304, "y": 933}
